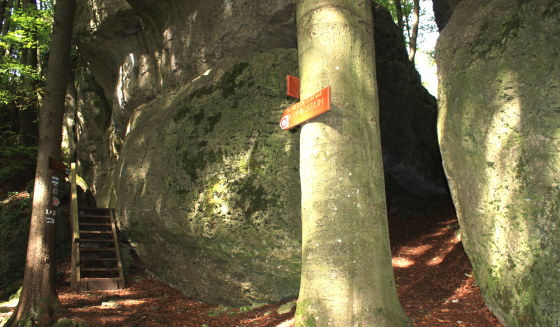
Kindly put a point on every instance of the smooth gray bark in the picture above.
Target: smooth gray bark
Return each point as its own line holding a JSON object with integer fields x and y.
{"x": 347, "y": 277}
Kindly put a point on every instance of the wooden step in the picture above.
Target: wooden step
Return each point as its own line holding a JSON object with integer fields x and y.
{"x": 94, "y": 216}
{"x": 96, "y": 224}
{"x": 100, "y": 269}
{"x": 93, "y": 284}
{"x": 97, "y": 250}
{"x": 94, "y": 240}
{"x": 98, "y": 259}
{"x": 94, "y": 209}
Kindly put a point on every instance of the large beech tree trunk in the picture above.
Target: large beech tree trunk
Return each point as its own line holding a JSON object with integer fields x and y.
{"x": 347, "y": 277}
{"x": 38, "y": 297}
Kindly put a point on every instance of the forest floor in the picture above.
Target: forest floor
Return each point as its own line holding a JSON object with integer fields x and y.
{"x": 432, "y": 272}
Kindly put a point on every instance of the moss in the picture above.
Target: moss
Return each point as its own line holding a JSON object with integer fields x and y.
{"x": 252, "y": 199}
{"x": 303, "y": 317}
{"x": 198, "y": 117}
{"x": 552, "y": 10}
{"x": 212, "y": 121}
{"x": 194, "y": 162}
{"x": 286, "y": 307}
{"x": 214, "y": 156}
{"x": 201, "y": 92}
{"x": 181, "y": 113}
{"x": 228, "y": 84}
{"x": 14, "y": 229}
{"x": 220, "y": 191}
{"x": 221, "y": 310}
{"x": 126, "y": 257}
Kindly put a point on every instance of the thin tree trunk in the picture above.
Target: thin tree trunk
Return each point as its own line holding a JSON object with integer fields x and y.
{"x": 38, "y": 298}
{"x": 414, "y": 34}
{"x": 6, "y": 23}
{"x": 30, "y": 57}
{"x": 406, "y": 24}
{"x": 398, "y": 9}
{"x": 3, "y": 8}
{"x": 347, "y": 277}
{"x": 71, "y": 112}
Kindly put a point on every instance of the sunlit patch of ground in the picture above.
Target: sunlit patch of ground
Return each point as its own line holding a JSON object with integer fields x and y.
{"x": 435, "y": 285}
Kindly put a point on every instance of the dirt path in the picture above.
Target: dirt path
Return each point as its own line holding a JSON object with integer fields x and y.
{"x": 433, "y": 275}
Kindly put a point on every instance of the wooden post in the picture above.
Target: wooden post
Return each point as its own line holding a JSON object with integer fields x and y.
{"x": 120, "y": 281}
{"x": 75, "y": 230}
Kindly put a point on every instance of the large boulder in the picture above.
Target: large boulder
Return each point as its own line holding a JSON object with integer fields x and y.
{"x": 499, "y": 131}
{"x": 15, "y": 211}
{"x": 414, "y": 179}
{"x": 139, "y": 49}
{"x": 443, "y": 9}
{"x": 207, "y": 184}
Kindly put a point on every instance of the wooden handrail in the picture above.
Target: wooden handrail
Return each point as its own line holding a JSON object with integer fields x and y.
{"x": 75, "y": 228}
{"x": 118, "y": 254}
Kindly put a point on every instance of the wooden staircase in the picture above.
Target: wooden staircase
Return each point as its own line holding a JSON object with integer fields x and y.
{"x": 96, "y": 261}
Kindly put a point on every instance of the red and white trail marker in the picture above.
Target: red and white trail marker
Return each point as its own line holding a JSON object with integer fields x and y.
{"x": 308, "y": 108}
{"x": 292, "y": 86}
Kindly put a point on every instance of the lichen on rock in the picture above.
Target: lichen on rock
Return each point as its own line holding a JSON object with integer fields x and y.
{"x": 214, "y": 184}
{"x": 499, "y": 134}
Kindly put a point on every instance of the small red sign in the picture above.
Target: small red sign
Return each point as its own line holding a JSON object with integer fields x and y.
{"x": 292, "y": 86}
{"x": 308, "y": 108}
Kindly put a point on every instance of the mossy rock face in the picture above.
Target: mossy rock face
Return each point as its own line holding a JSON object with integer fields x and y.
{"x": 14, "y": 232}
{"x": 499, "y": 128}
{"x": 15, "y": 214}
{"x": 207, "y": 184}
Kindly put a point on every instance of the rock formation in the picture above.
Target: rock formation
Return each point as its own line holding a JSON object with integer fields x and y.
{"x": 499, "y": 125}
{"x": 186, "y": 100}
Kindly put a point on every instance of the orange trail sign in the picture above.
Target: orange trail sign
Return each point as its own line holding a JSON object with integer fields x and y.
{"x": 308, "y": 108}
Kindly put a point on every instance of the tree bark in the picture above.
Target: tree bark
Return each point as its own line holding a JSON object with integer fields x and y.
{"x": 414, "y": 34}
{"x": 347, "y": 277}
{"x": 30, "y": 56}
{"x": 71, "y": 122}
{"x": 398, "y": 9}
{"x": 38, "y": 297}
{"x": 3, "y": 8}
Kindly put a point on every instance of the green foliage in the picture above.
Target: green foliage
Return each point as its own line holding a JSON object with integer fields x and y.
{"x": 16, "y": 160}
{"x": 407, "y": 6}
{"x": 23, "y": 53}
{"x": 29, "y": 28}
{"x": 427, "y": 23}
{"x": 19, "y": 83}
